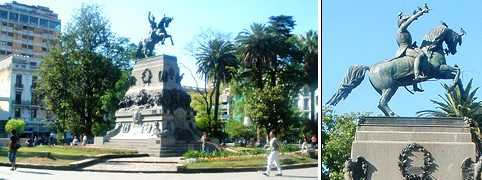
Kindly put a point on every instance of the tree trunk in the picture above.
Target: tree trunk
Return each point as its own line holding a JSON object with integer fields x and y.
{"x": 259, "y": 81}
{"x": 273, "y": 71}
{"x": 216, "y": 100}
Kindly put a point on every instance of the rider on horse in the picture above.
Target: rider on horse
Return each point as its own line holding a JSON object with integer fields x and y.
{"x": 406, "y": 48}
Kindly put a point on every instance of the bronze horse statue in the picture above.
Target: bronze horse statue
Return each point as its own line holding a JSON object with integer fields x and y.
{"x": 159, "y": 34}
{"x": 388, "y": 75}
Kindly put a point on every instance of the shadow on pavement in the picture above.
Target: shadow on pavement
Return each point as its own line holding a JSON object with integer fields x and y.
{"x": 33, "y": 172}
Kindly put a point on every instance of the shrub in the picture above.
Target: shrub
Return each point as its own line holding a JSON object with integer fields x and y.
{"x": 16, "y": 124}
{"x": 258, "y": 151}
{"x": 289, "y": 148}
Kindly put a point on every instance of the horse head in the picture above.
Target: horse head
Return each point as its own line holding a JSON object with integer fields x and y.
{"x": 452, "y": 38}
{"x": 165, "y": 22}
{"x": 434, "y": 38}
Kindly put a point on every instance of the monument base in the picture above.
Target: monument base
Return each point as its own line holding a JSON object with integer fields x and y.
{"x": 410, "y": 148}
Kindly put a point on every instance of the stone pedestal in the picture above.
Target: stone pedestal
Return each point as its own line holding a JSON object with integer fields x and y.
{"x": 155, "y": 113}
{"x": 392, "y": 145}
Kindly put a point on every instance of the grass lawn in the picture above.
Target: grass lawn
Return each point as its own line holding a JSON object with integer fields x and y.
{"x": 251, "y": 162}
{"x": 60, "y": 155}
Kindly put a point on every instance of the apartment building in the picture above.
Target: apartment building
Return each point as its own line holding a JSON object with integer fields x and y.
{"x": 25, "y": 31}
{"x": 304, "y": 102}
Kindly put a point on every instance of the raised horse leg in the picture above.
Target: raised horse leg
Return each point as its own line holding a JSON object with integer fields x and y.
{"x": 170, "y": 37}
{"x": 387, "y": 94}
{"x": 446, "y": 72}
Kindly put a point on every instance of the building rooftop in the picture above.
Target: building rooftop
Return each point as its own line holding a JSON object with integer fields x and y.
{"x": 42, "y": 10}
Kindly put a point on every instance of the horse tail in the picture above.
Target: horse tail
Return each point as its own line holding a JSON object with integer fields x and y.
{"x": 353, "y": 77}
{"x": 139, "y": 49}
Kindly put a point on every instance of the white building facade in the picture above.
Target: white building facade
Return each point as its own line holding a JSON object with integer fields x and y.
{"x": 18, "y": 99}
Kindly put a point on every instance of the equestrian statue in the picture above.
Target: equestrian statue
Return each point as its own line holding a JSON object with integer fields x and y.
{"x": 157, "y": 34}
{"x": 411, "y": 64}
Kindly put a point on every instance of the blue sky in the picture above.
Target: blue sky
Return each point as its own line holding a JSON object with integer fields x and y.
{"x": 129, "y": 19}
{"x": 363, "y": 32}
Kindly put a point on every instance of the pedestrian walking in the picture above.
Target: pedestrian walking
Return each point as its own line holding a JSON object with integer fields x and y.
{"x": 35, "y": 141}
{"x": 205, "y": 141}
{"x": 13, "y": 146}
{"x": 274, "y": 146}
{"x": 84, "y": 140}
{"x": 313, "y": 142}
{"x": 305, "y": 143}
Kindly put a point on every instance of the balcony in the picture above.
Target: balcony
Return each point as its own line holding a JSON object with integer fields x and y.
{"x": 17, "y": 85}
{"x": 24, "y": 103}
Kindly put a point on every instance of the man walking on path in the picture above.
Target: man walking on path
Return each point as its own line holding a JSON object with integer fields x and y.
{"x": 305, "y": 143}
{"x": 274, "y": 146}
{"x": 205, "y": 141}
{"x": 12, "y": 149}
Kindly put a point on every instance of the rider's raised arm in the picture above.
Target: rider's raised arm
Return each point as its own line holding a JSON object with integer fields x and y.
{"x": 149, "y": 17}
{"x": 409, "y": 21}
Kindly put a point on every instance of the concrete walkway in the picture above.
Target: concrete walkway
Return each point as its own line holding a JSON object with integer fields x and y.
{"x": 137, "y": 164}
{"x": 41, "y": 174}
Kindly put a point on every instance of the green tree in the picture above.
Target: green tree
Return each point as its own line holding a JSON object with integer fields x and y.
{"x": 255, "y": 48}
{"x": 216, "y": 62}
{"x": 236, "y": 129}
{"x": 308, "y": 45}
{"x": 270, "y": 108}
{"x": 270, "y": 57}
{"x": 337, "y": 135}
{"x": 17, "y": 124}
{"x": 80, "y": 74}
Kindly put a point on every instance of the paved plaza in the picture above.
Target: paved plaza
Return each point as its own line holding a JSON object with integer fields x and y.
{"x": 39, "y": 174}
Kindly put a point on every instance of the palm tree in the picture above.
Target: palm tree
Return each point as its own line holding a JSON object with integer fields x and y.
{"x": 460, "y": 103}
{"x": 309, "y": 46}
{"x": 256, "y": 47}
{"x": 216, "y": 61}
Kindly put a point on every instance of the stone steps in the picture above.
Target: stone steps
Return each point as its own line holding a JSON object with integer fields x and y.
{"x": 141, "y": 145}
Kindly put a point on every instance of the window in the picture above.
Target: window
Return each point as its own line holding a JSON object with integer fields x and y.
{"x": 44, "y": 40}
{"x": 30, "y": 38}
{"x": 30, "y": 28}
{"x": 30, "y": 47}
{"x": 4, "y": 23}
{"x": 44, "y": 49}
{"x": 3, "y": 14}
{"x": 24, "y": 18}
{"x": 24, "y": 46}
{"x": 44, "y": 23}
{"x": 51, "y": 32}
{"x": 18, "y": 97}
{"x": 33, "y": 113}
{"x": 33, "y": 21}
{"x": 54, "y": 24}
{"x": 34, "y": 81}
{"x": 10, "y": 34}
{"x": 8, "y": 52}
{"x": 4, "y": 33}
{"x": 17, "y": 112}
{"x": 2, "y": 52}
{"x": 306, "y": 104}
{"x": 24, "y": 36}
{"x": 9, "y": 43}
{"x": 4, "y": 43}
{"x": 13, "y": 16}
{"x": 19, "y": 79}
